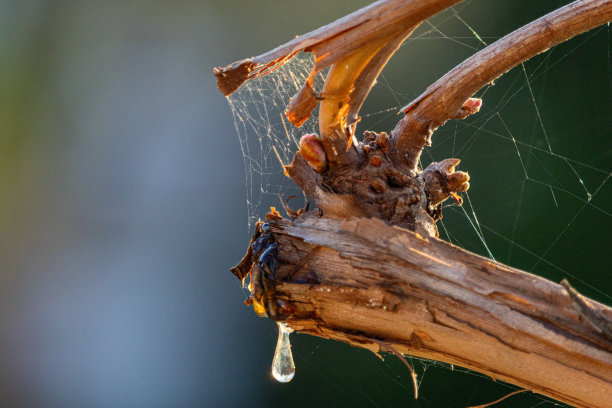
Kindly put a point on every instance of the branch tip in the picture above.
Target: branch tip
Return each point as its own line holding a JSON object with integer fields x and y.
{"x": 471, "y": 106}
{"x": 302, "y": 104}
{"x": 231, "y": 77}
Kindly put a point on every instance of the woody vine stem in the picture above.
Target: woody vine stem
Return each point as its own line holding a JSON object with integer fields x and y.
{"x": 365, "y": 266}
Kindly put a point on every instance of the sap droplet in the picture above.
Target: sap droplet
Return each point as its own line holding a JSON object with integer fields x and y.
{"x": 283, "y": 367}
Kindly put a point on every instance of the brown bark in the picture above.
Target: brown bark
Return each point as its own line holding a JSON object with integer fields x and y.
{"x": 365, "y": 283}
{"x": 443, "y": 98}
{"x": 355, "y": 276}
{"x": 381, "y": 180}
{"x": 331, "y": 42}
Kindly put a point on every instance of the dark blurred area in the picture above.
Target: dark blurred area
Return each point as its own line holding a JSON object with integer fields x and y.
{"x": 122, "y": 202}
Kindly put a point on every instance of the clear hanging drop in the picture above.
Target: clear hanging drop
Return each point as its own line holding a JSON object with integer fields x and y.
{"x": 283, "y": 367}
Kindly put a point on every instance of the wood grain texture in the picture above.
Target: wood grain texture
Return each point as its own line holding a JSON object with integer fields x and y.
{"x": 361, "y": 281}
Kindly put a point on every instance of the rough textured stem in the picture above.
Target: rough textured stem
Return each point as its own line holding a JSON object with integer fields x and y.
{"x": 443, "y": 99}
{"x": 363, "y": 282}
{"x": 334, "y": 41}
{"x": 336, "y": 95}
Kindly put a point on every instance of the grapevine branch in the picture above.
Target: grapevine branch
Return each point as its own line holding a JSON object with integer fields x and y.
{"x": 366, "y": 267}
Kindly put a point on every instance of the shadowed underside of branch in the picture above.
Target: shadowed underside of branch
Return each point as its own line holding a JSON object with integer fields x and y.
{"x": 366, "y": 268}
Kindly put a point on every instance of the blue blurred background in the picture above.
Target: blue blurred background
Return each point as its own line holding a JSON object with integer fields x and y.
{"x": 122, "y": 200}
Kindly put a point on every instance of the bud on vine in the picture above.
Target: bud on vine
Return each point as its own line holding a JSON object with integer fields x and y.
{"x": 311, "y": 149}
{"x": 458, "y": 182}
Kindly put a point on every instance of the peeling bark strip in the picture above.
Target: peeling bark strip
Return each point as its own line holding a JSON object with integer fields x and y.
{"x": 361, "y": 281}
{"x": 391, "y": 21}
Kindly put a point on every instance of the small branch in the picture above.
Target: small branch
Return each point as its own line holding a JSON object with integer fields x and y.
{"x": 413, "y": 374}
{"x": 335, "y": 40}
{"x": 497, "y": 401}
{"x": 444, "y": 98}
{"x": 371, "y": 284}
{"x": 366, "y": 80}
{"x": 336, "y": 96}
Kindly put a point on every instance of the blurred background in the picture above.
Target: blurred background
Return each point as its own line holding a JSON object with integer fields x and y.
{"x": 123, "y": 199}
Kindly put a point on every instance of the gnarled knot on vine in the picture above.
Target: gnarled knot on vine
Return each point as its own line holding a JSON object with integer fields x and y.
{"x": 377, "y": 183}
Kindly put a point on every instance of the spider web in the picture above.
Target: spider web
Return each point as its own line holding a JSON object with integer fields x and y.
{"x": 267, "y": 139}
{"x": 539, "y": 161}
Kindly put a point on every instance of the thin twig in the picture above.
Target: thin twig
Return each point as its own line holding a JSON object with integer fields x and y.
{"x": 399, "y": 355}
{"x": 497, "y": 400}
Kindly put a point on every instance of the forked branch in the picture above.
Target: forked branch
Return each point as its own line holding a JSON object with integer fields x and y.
{"x": 347, "y": 272}
{"x": 373, "y": 179}
{"x": 356, "y": 48}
